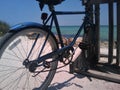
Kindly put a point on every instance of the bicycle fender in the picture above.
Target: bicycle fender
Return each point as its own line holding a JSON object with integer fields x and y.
{"x": 22, "y": 26}
{"x": 25, "y": 25}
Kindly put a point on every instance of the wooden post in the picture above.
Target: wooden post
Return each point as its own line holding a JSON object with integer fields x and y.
{"x": 111, "y": 33}
{"x": 118, "y": 32}
{"x": 101, "y": 1}
{"x": 97, "y": 31}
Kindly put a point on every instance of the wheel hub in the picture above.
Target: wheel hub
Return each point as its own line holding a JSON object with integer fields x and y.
{"x": 30, "y": 65}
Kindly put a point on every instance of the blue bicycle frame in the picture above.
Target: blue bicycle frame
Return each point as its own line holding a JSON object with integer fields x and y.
{"x": 64, "y": 48}
{"x": 53, "y": 19}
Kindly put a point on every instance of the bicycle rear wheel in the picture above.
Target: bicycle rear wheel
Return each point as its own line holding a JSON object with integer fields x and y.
{"x": 14, "y": 49}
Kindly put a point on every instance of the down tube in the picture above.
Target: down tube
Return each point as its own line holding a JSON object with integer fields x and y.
{"x": 57, "y": 52}
{"x": 78, "y": 34}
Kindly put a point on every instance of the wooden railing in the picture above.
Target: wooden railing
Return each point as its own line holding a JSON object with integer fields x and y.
{"x": 96, "y": 4}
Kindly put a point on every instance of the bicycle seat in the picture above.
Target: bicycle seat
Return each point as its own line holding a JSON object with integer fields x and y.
{"x": 50, "y": 2}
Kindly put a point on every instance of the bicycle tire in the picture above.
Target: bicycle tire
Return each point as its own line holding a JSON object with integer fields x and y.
{"x": 14, "y": 47}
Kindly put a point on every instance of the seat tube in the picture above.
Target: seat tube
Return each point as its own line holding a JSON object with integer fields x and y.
{"x": 58, "y": 28}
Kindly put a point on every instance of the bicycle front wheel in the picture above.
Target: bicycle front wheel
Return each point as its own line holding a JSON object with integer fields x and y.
{"x": 14, "y": 49}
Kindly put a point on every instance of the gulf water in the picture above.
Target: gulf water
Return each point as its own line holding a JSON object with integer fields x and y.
{"x": 70, "y": 31}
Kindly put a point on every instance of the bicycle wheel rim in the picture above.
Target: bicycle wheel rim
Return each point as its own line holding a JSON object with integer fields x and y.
{"x": 13, "y": 75}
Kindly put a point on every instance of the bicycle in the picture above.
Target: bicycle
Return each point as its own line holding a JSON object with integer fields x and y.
{"x": 29, "y": 52}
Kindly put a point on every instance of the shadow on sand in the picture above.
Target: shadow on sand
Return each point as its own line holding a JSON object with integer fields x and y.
{"x": 67, "y": 83}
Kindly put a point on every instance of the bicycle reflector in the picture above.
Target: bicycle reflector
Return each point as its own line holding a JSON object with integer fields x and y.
{"x": 44, "y": 16}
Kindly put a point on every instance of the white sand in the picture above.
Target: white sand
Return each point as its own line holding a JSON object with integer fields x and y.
{"x": 63, "y": 80}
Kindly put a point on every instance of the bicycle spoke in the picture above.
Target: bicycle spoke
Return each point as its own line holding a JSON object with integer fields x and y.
{"x": 7, "y": 76}
{"x": 11, "y": 59}
{"x": 9, "y": 69}
{"x": 13, "y": 74}
{"x": 20, "y": 52}
{"x": 8, "y": 66}
{"x": 35, "y": 51}
{"x": 27, "y": 85}
{"x": 14, "y": 81}
{"x": 14, "y": 55}
{"x": 23, "y": 48}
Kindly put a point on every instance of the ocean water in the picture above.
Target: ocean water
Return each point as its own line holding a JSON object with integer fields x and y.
{"x": 70, "y": 31}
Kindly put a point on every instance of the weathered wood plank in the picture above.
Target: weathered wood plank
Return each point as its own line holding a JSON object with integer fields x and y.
{"x": 100, "y": 75}
{"x": 97, "y": 31}
{"x": 111, "y": 33}
{"x": 101, "y": 1}
{"x": 118, "y": 32}
{"x": 106, "y": 56}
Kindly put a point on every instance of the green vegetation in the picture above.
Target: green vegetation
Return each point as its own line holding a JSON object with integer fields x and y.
{"x": 4, "y": 27}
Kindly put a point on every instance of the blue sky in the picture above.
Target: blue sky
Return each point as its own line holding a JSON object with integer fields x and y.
{"x": 17, "y": 11}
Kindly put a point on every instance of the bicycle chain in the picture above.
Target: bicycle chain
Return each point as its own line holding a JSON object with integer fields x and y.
{"x": 48, "y": 63}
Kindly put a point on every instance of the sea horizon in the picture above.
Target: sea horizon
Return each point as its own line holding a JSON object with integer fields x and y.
{"x": 69, "y": 31}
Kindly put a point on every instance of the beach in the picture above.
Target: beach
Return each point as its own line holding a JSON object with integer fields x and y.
{"x": 63, "y": 80}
